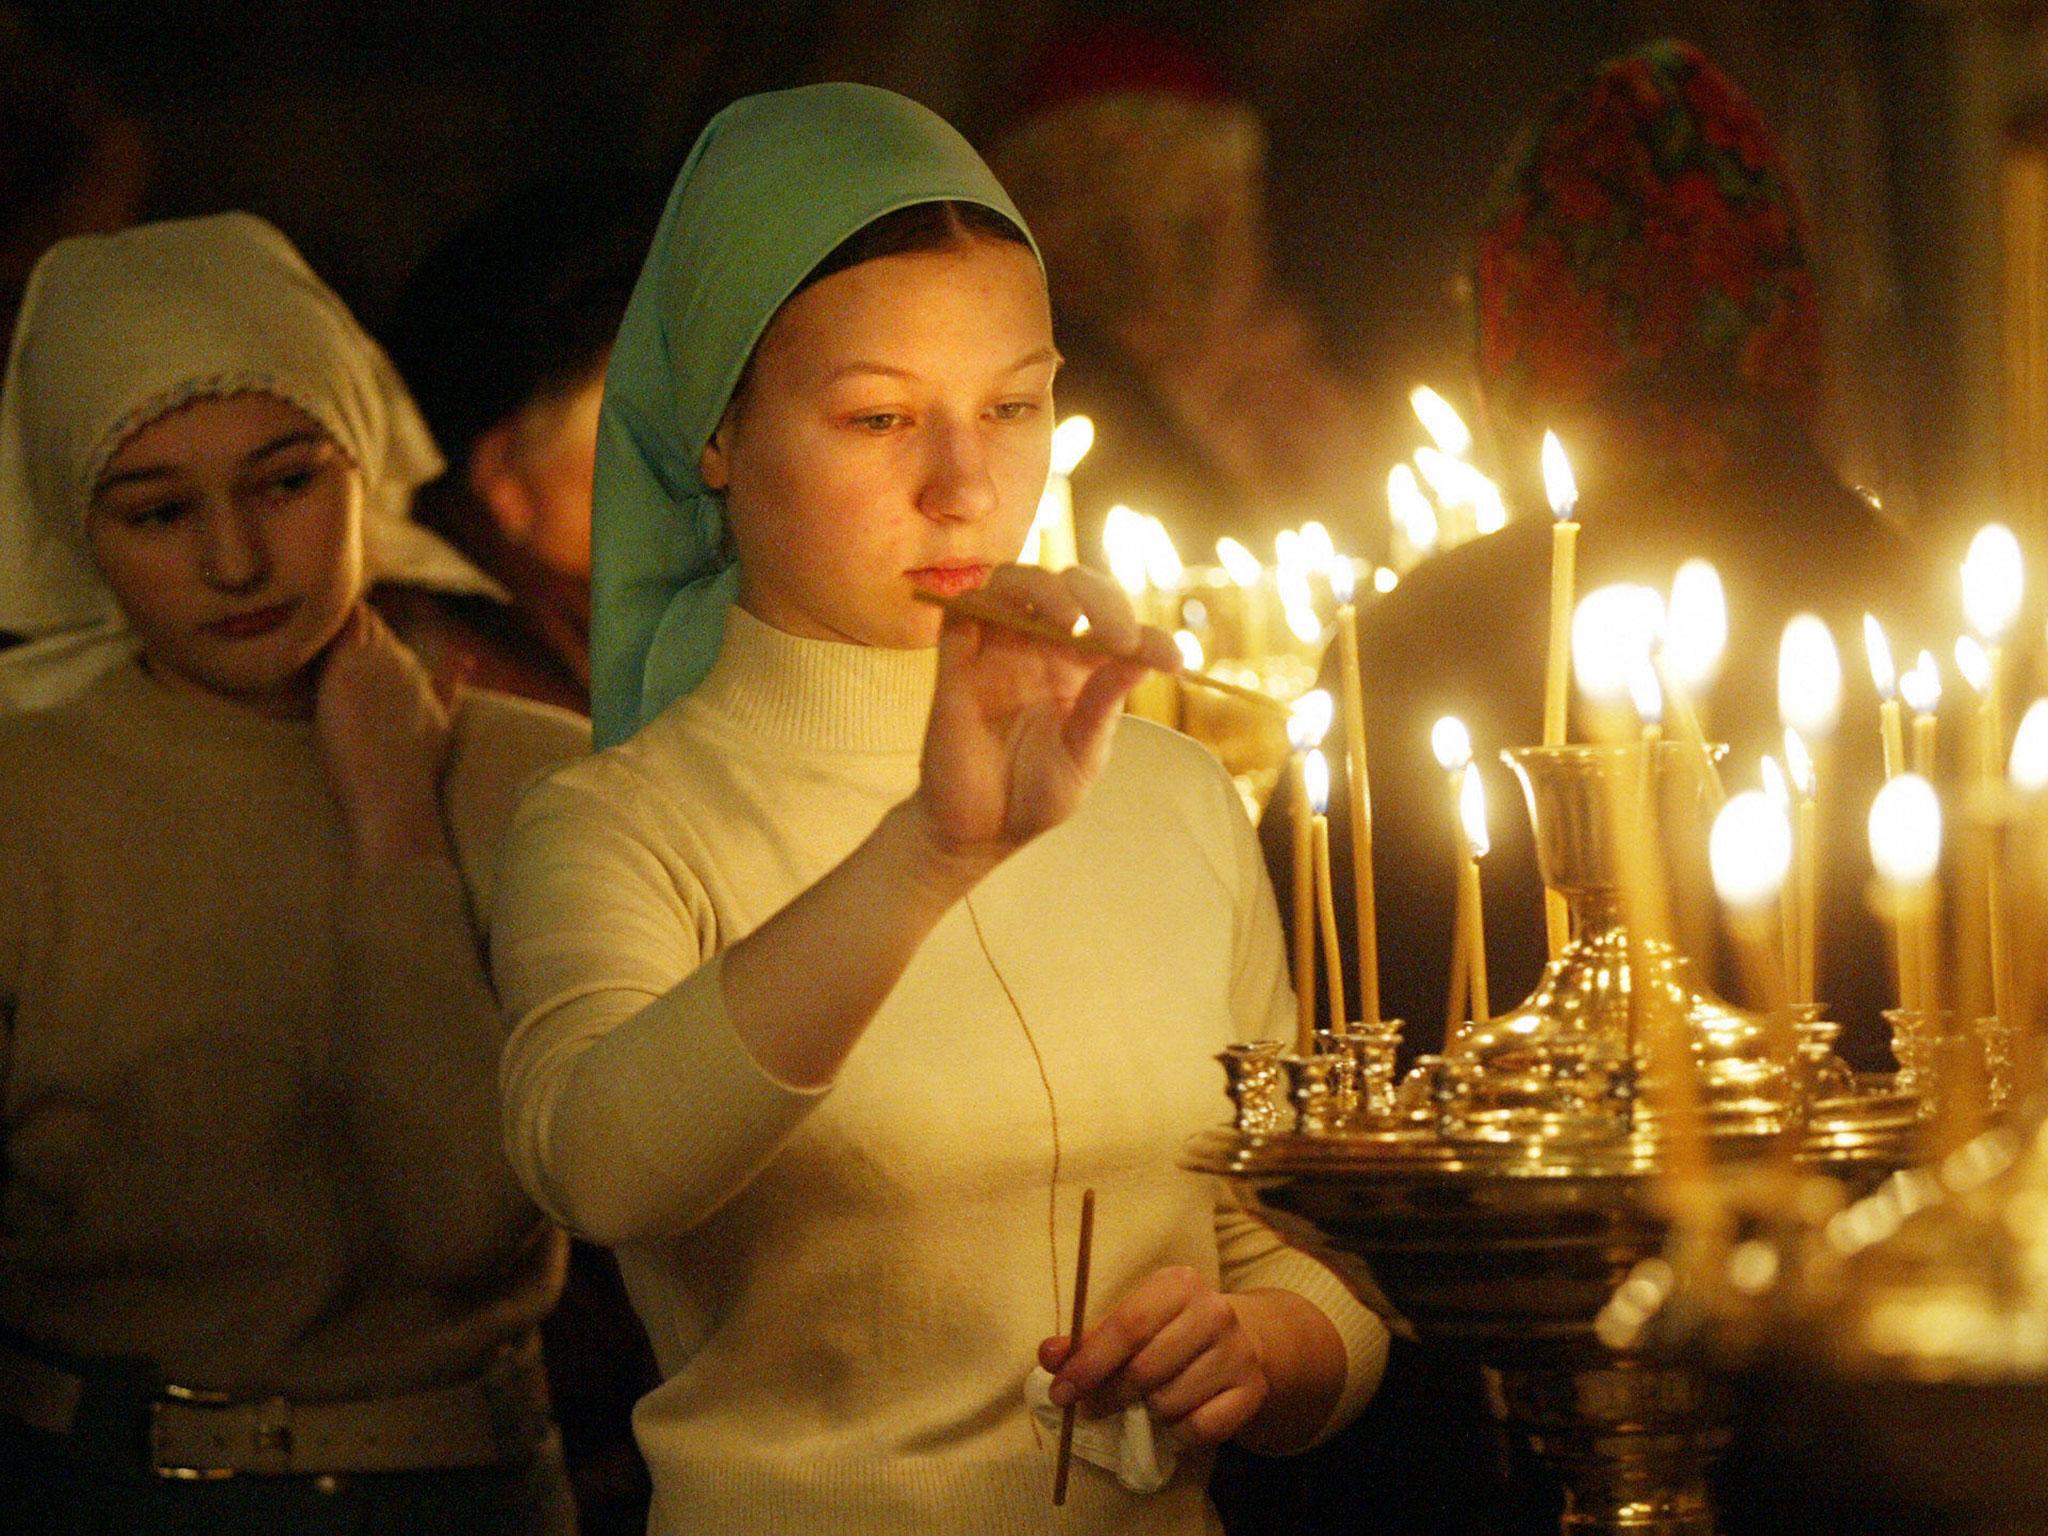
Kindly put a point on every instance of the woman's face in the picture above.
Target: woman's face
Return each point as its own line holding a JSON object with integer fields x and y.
{"x": 893, "y": 438}
{"x": 230, "y": 531}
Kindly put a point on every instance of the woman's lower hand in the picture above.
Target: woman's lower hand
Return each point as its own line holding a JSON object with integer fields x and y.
{"x": 383, "y": 726}
{"x": 1176, "y": 1344}
{"x": 1020, "y": 727}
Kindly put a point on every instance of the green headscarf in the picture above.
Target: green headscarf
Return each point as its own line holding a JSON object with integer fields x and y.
{"x": 772, "y": 187}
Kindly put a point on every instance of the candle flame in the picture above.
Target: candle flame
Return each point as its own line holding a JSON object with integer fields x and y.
{"x": 1882, "y": 672}
{"x": 1750, "y": 850}
{"x": 1646, "y": 693}
{"x": 1385, "y": 579}
{"x": 1302, "y": 621}
{"x": 1905, "y": 830}
{"x": 1317, "y": 547}
{"x": 1992, "y": 579}
{"x": 1799, "y": 765}
{"x": 1697, "y": 626}
{"x": 1315, "y": 778}
{"x": 1241, "y": 563}
{"x": 1472, "y": 811}
{"x": 1920, "y": 685}
{"x": 1451, "y": 743}
{"x": 1287, "y": 552}
{"x": 1190, "y": 648}
{"x": 1308, "y": 721}
{"x": 1614, "y": 630}
{"x": 1071, "y": 440}
{"x": 1443, "y": 474}
{"x": 1489, "y": 512}
{"x": 1775, "y": 787}
{"x": 1809, "y": 677}
{"x": 1411, "y": 510}
{"x": 1973, "y": 663}
{"x": 1441, "y": 421}
{"x": 1162, "y": 561}
{"x": 1343, "y": 579}
{"x": 2029, "y": 765}
{"x": 1558, "y": 484}
{"x": 1124, "y": 542}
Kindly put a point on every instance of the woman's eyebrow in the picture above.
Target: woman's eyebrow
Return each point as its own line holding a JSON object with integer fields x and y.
{"x": 146, "y": 472}
{"x": 292, "y": 439}
{"x": 1034, "y": 358}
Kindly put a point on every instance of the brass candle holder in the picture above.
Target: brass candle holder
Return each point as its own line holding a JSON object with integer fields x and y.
{"x": 1505, "y": 1190}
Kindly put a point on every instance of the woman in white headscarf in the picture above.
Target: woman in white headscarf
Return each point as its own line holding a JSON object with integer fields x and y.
{"x": 261, "y": 1262}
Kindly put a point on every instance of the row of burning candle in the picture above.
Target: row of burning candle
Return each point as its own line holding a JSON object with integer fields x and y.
{"x": 1628, "y": 644}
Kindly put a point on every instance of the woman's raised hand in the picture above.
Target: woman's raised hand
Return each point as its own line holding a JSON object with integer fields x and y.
{"x": 383, "y": 726}
{"x": 1020, "y": 727}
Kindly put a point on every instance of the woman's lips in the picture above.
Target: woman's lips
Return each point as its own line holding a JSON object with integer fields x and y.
{"x": 258, "y": 621}
{"x": 949, "y": 580}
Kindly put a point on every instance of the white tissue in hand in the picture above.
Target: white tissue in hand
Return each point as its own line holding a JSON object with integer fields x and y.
{"x": 1140, "y": 1453}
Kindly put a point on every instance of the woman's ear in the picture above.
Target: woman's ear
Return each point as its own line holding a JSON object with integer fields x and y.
{"x": 714, "y": 464}
{"x": 495, "y": 481}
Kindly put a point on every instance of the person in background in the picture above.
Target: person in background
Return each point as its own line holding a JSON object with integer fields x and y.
{"x": 868, "y": 941}
{"x": 502, "y": 335}
{"x": 262, "y": 1264}
{"x": 1214, "y": 404}
{"x": 1641, "y": 287}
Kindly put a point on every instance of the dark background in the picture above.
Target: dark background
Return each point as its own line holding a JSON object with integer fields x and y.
{"x": 366, "y": 130}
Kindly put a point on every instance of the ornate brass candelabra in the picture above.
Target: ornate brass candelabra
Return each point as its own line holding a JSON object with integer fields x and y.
{"x": 1512, "y": 1185}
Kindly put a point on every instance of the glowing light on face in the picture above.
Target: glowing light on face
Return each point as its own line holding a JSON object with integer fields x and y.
{"x": 1993, "y": 576}
{"x": 1559, "y": 486}
{"x": 1071, "y": 440}
{"x": 1451, "y": 743}
{"x": 1614, "y": 630}
{"x": 1308, "y": 721}
{"x": 1696, "y": 634}
{"x": 1809, "y": 677}
{"x": 1750, "y": 851}
{"x": 1441, "y": 421}
{"x": 1315, "y": 778}
{"x": 1472, "y": 811}
{"x": 1905, "y": 830}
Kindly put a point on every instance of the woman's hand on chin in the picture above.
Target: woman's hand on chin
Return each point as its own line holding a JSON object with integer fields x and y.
{"x": 384, "y": 726}
{"x": 1020, "y": 727}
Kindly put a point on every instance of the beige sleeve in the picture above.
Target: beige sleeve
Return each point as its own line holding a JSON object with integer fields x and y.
{"x": 1252, "y": 1255}
{"x": 631, "y": 1108}
{"x": 413, "y": 1066}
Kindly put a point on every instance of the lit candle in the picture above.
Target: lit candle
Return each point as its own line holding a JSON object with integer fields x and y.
{"x": 2028, "y": 774}
{"x": 1441, "y": 421}
{"x": 1472, "y": 820}
{"x": 1416, "y": 526}
{"x": 1749, "y": 852}
{"x": 1124, "y": 538}
{"x": 1779, "y": 793}
{"x": 1452, "y": 744}
{"x": 1307, "y": 723}
{"x": 1892, "y": 734}
{"x": 1992, "y": 583}
{"x": 1316, "y": 776}
{"x": 1564, "y": 545}
{"x": 1051, "y": 540}
{"x": 1905, "y": 847}
{"x": 1695, "y": 637}
{"x": 1805, "y": 862}
{"x": 1809, "y": 704}
{"x": 1360, "y": 790}
{"x": 1249, "y": 577}
{"x": 1920, "y": 687}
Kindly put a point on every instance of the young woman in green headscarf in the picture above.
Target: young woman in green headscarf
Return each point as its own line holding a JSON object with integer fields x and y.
{"x": 869, "y": 942}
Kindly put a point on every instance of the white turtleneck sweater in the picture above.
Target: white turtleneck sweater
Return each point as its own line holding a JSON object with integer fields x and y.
{"x": 846, "y": 1288}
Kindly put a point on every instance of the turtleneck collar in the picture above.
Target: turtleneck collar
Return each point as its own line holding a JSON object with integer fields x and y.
{"x": 819, "y": 693}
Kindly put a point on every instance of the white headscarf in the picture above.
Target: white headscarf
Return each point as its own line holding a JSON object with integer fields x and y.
{"x": 115, "y": 331}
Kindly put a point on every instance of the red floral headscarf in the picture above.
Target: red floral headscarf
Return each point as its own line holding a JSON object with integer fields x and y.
{"x": 1644, "y": 243}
